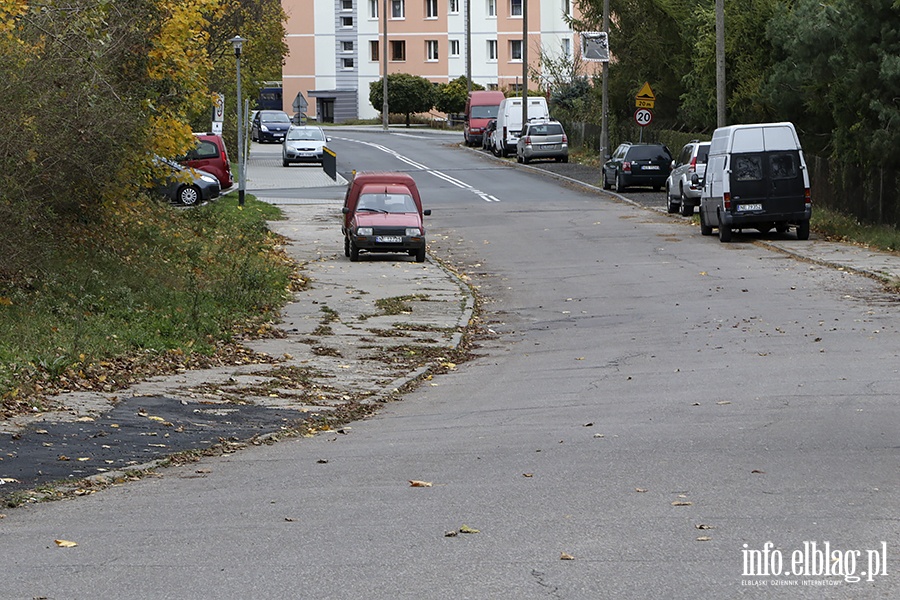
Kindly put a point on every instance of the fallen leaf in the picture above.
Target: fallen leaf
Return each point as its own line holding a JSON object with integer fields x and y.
{"x": 451, "y": 533}
{"x": 599, "y": 435}
{"x": 566, "y": 556}
{"x": 703, "y": 526}
{"x": 8, "y": 480}
{"x": 417, "y": 483}
{"x": 83, "y": 459}
{"x": 290, "y": 519}
{"x": 724, "y": 402}
{"x": 588, "y": 424}
{"x": 682, "y": 503}
{"x": 62, "y": 457}
{"x": 155, "y": 418}
{"x": 527, "y": 474}
{"x": 467, "y": 529}
{"x": 640, "y": 490}
{"x": 84, "y": 419}
{"x": 758, "y": 471}
{"x": 704, "y": 538}
{"x": 65, "y": 543}
{"x": 322, "y": 461}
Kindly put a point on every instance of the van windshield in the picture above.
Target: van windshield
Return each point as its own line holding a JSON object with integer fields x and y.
{"x": 388, "y": 203}
{"x": 483, "y": 112}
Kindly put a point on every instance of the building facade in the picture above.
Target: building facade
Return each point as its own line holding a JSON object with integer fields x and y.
{"x": 336, "y": 47}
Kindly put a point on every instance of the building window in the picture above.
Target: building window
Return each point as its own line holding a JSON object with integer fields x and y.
{"x": 454, "y": 48}
{"x": 431, "y": 50}
{"x": 516, "y": 88}
{"x": 373, "y": 50}
{"x": 454, "y": 7}
{"x": 347, "y": 63}
{"x": 515, "y": 8}
{"x": 346, "y": 22}
{"x": 373, "y": 8}
{"x": 515, "y": 50}
{"x": 492, "y": 49}
{"x": 431, "y": 9}
{"x": 567, "y": 8}
{"x": 398, "y": 9}
{"x": 493, "y": 87}
{"x": 398, "y": 50}
{"x": 492, "y": 8}
{"x": 346, "y": 4}
{"x": 346, "y": 46}
{"x": 567, "y": 47}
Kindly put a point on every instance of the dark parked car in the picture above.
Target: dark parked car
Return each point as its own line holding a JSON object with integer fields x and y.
{"x": 486, "y": 136}
{"x": 185, "y": 185}
{"x": 637, "y": 164}
{"x": 211, "y": 156}
{"x": 269, "y": 126}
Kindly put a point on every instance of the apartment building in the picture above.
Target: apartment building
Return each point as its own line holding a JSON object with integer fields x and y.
{"x": 336, "y": 46}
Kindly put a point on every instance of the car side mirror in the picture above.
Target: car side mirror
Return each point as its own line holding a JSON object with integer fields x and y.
{"x": 328, "y": 139}
{"x": 346, "y": 210}
{"x": 672, "y": 165}
{"x": 427, "y": 212}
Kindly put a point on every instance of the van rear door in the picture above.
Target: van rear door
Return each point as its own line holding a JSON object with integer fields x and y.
{"x": 767, "y": 182}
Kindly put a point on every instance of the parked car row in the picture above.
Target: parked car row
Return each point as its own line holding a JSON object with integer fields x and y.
{"x": 505, "y": 134}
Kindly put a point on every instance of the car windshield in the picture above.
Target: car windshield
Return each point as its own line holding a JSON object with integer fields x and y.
{"x": 648, "y": 153}
{"x": 483, "y": 112}
{"x": 274, "y": 117}
{"x": 387, "y": 203}
{"x": 306, "y": 133}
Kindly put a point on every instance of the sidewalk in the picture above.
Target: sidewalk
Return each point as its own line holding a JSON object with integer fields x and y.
{"x": 355, "y": 335}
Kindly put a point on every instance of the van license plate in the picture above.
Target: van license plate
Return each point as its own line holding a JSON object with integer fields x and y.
{"x": 749, "y": 207}
{"x": 389, "y": 239}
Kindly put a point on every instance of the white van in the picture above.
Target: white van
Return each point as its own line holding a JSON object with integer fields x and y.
{"x": 509, "y": 122}
{"x": 756, "y": 178}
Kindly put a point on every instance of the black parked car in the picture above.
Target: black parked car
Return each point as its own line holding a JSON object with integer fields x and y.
{"x": 637, "y": 164}
{"x": 269, "y": 126}
{"x": 486, "y": 136}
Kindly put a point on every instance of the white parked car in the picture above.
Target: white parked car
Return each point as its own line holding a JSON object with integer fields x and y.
{"x": 681, "y": 192}
{"x": 303, "y": 143}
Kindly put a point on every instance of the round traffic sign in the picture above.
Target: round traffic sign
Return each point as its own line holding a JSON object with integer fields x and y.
{"x": 643, "y": 116}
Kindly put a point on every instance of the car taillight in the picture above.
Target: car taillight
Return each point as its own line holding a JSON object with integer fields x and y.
{"x": 807, "y": 198}
{"x": 565, "y": 139}
{"x": 693, "y": 167}
{"x": 528, "y": 140}
{"x": 626, "y": 166}
{"x": 726, "y": 199}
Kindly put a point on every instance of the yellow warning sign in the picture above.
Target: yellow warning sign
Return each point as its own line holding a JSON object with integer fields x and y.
{"x": 646, "y": 93}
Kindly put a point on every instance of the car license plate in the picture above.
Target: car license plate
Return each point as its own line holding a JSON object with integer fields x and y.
{"x": 550, "y": 146}
{"x": 749, "y": 207}
{"x": 651, "y": 167}
{"x": 388, "y": 239}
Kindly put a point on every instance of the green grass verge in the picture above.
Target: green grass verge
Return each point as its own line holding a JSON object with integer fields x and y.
{"x": 143, "y": 280}
{"x": 839, "y": 227}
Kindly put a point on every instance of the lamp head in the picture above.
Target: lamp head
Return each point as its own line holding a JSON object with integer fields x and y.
{"x": 237, "y": 42}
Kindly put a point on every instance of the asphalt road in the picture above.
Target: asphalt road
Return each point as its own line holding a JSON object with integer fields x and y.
{"x": 653, "y": 410}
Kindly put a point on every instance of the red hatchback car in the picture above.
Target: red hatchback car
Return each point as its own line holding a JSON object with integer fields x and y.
{"x": 383, "y": 213}
{"x": 211, "y": 156}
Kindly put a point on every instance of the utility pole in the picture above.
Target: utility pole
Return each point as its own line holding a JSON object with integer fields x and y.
{"x": 604, "y": 103}
{"x": 468, "y": 46}
{"x": 524, "y": 64}
{"x": 384, "y": 67}
{"x": 721, "y": 119}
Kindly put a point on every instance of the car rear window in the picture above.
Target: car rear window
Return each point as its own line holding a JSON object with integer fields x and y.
{"x": 648, "y": 153}
{"x": 702, "y": 154}
{"x": 748, "y": 167}
{"x": 204, "y": 150}
{"x": 392, "y": 203}
{"x": 548, "y": 129}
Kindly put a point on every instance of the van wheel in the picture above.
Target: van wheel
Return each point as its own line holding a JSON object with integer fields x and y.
{"x": 724, "y": 232}
{"x": 803, "y": 230}
{"x": 704, "y": 228}
{"x": 495, "y": 151}
{"x": 354, "y": 252}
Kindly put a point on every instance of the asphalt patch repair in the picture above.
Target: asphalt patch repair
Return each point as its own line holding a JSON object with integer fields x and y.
{"x": 135, "y": 432}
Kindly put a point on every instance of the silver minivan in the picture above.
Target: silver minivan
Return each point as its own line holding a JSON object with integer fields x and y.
{"x": 542, "y": 139}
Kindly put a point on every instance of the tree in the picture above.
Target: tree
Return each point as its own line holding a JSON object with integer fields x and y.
{"x": 451, "y": 97}
{"x": 407, "y": 94}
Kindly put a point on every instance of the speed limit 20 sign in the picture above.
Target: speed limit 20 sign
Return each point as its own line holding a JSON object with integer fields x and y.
{"x": 643, "y": 116}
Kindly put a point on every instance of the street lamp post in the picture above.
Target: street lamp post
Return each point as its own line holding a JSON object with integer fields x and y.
{"x": 237, "y": 42}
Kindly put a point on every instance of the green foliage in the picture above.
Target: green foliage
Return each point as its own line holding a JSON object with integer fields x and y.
{"x": 407, "y": 94}
{"x": 451, "y": 97}
{"x": 142, "y": 281}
